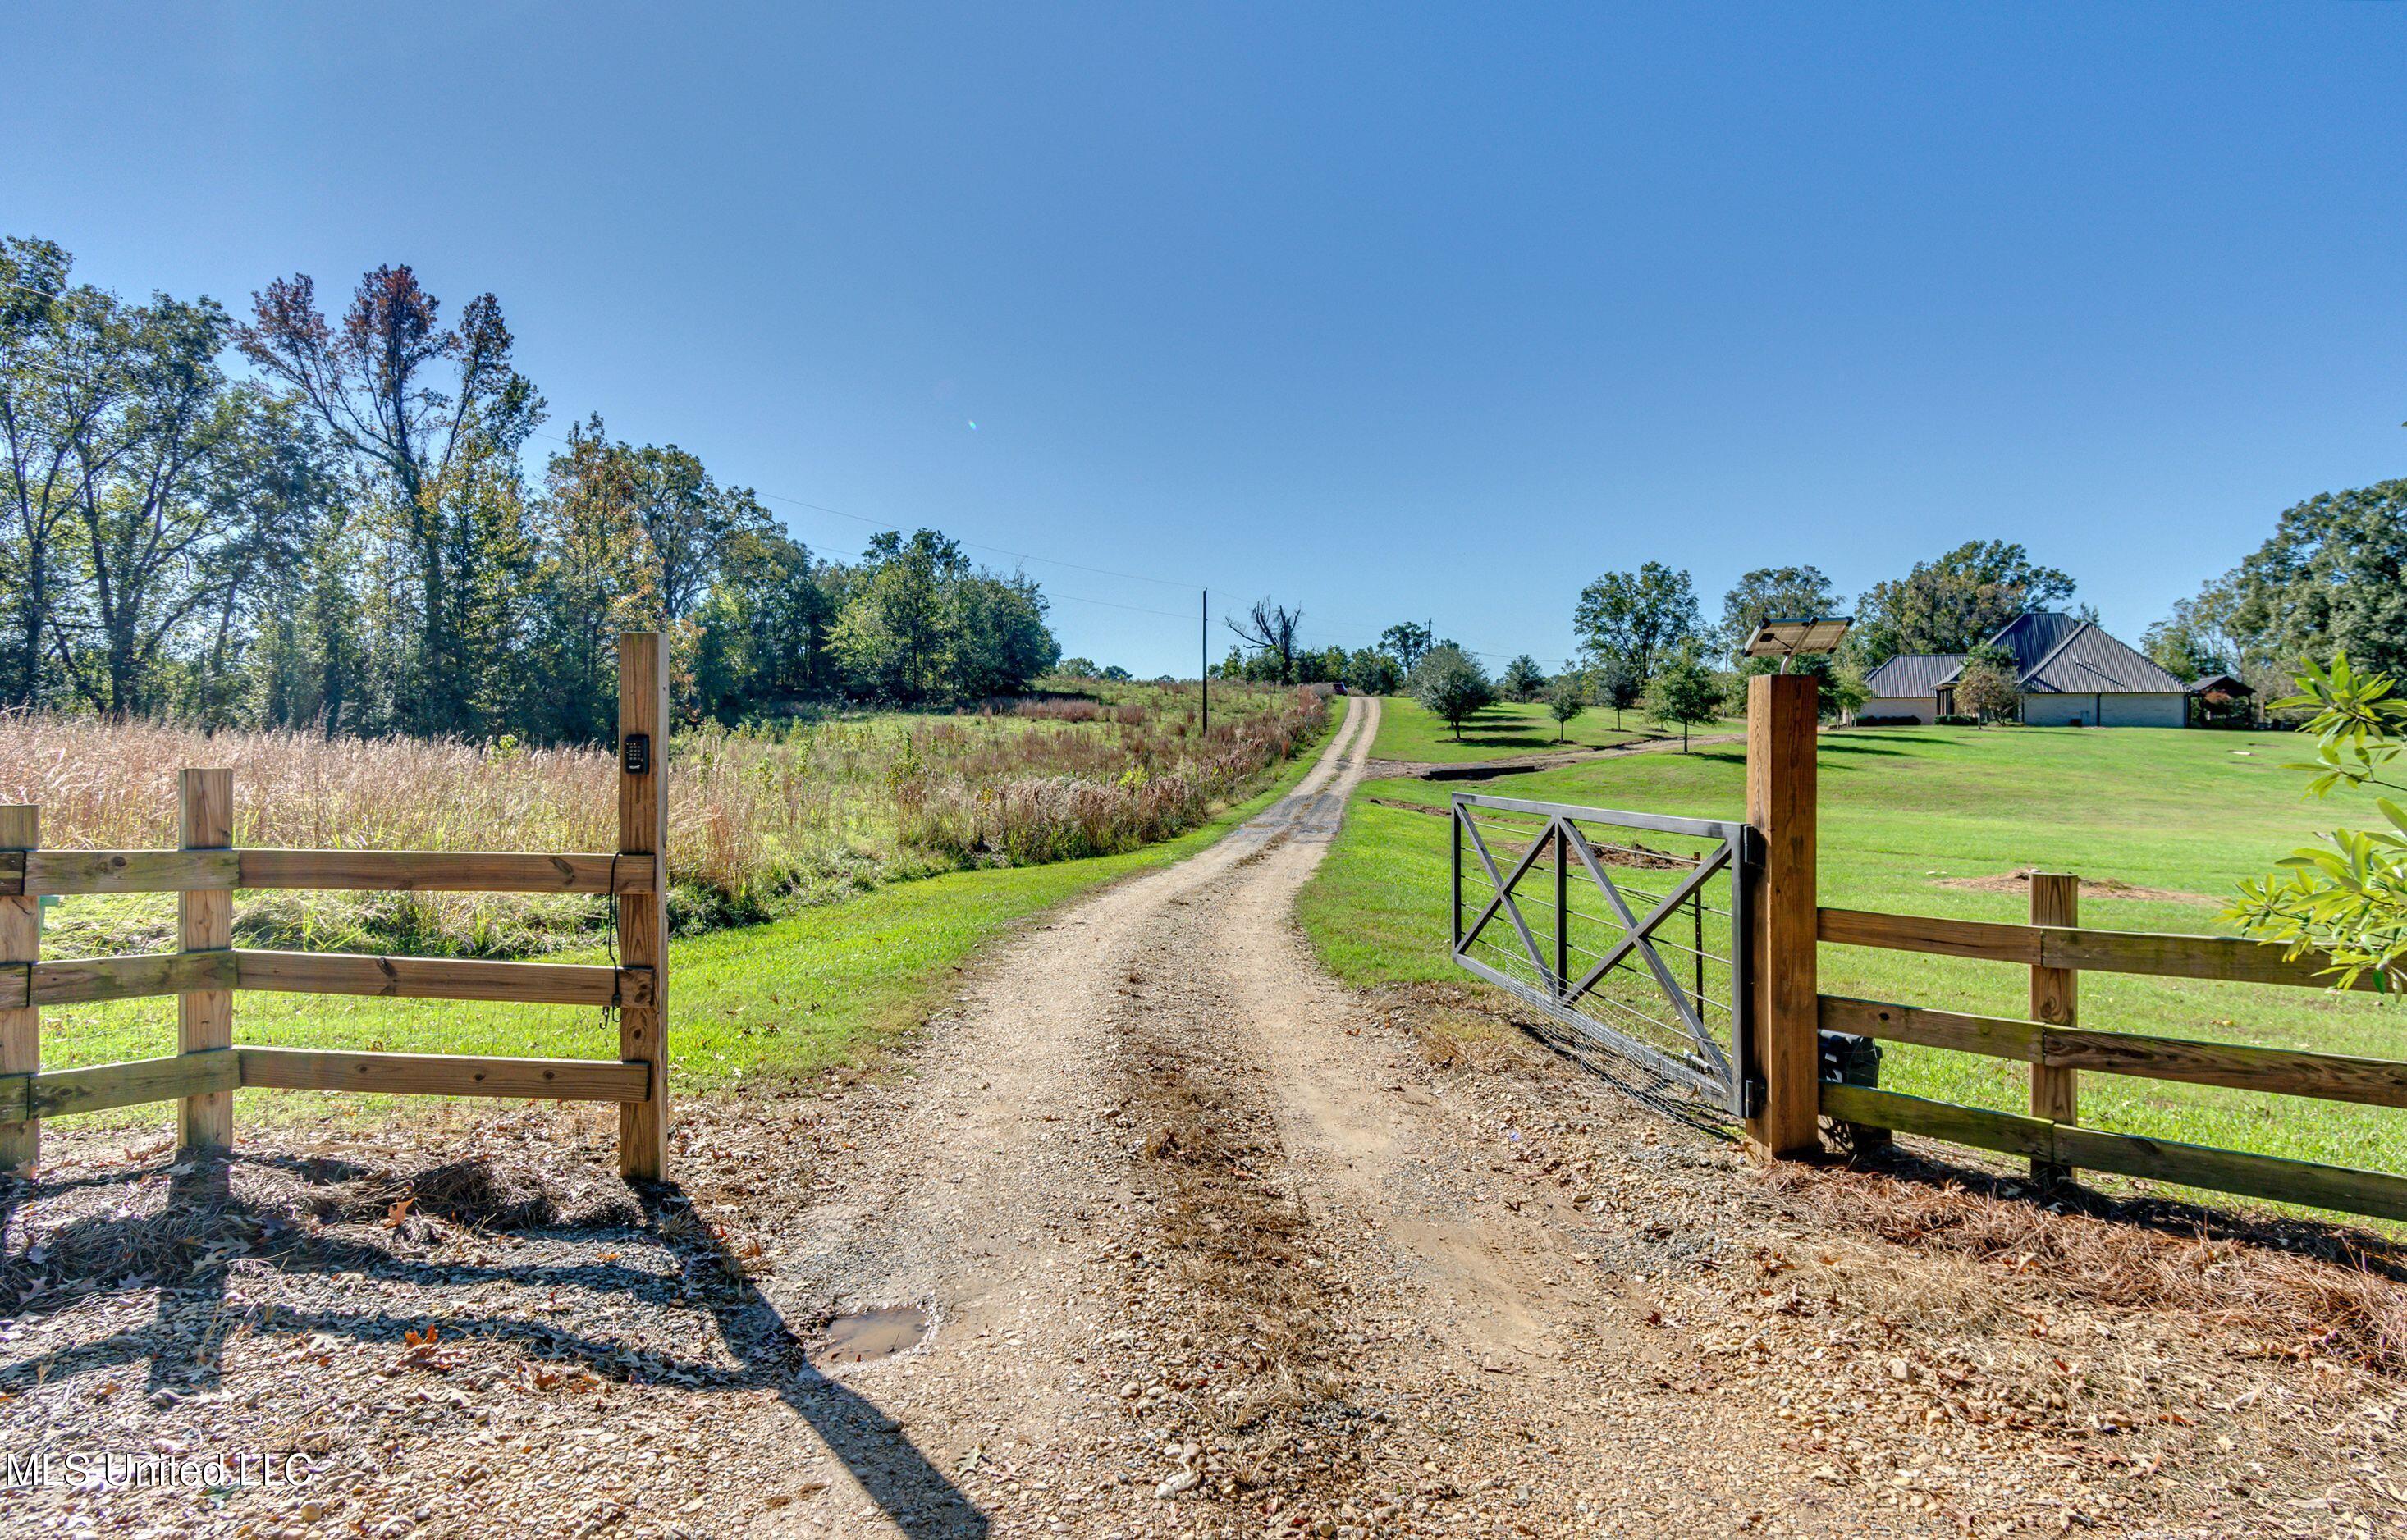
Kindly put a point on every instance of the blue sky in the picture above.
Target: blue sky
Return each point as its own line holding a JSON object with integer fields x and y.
{"x": 1391, "y": 312}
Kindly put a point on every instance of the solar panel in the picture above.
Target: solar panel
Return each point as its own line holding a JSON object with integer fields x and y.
{"x": 1793, "y": 635}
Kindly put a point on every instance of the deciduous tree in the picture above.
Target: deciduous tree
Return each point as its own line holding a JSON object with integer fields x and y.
{"x": 1684, "y": 692}
{"x": 1634, "y": 618}
{"x": 1565, "y": 700}
{"x": 1522, "y": 679}
{"x": 1451, "y": 686}
{"x": 432, "y": 416}
{"x": 1773, "y": 593}
{"x": 1407, "y": 640}
{"x": 1271, "y": 629}
{"x": 1954, "y": 603}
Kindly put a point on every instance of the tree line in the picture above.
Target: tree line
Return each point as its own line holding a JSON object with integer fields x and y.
{"x": 305, "y": 517}
{"x": 2331, "y": 579}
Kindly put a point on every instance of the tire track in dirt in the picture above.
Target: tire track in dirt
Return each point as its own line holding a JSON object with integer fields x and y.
{"x": 1001, "y": 1197}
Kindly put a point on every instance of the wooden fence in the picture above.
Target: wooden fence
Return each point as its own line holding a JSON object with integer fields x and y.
{"x": 2057, "y": 950}
{"x": 1788, "y": 1012}
{"x": 209, "y": 970}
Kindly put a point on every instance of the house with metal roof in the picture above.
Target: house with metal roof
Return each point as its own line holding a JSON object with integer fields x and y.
{"x": 2068, "y": 671}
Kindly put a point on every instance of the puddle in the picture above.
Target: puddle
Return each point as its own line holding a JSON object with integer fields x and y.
{"x": 868, "y": 1335}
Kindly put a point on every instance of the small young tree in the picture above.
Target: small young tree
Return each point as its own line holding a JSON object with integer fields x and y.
{"x": 1683, "y": 693}
{"x": 2346, "y": 898}
{"x": 1452, "y": 685}
{"x": 1617, "y": 683}
{"x": 1565, "y": 698}
{"x": 1523, "y": 679}
{"x": 1843, "y": 692}
{"x": 1987, "y": 689}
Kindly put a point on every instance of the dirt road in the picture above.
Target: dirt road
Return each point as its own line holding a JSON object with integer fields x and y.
{"x": 1164, "y": 1233}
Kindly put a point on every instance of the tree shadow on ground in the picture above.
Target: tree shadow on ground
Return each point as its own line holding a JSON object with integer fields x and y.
{"x": 1830, "y": 748}
{"x": 186, "y": 1250}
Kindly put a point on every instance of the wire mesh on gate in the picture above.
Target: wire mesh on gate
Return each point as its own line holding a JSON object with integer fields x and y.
{"x": 1628, "y": 927}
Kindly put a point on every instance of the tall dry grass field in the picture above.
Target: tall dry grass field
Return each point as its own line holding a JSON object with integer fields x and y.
{"x": 801, "y": 812}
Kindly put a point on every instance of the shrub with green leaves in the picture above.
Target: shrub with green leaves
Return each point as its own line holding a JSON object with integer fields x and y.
{"x": 2347, "y": 897}
{"x": 1451, "y": 686}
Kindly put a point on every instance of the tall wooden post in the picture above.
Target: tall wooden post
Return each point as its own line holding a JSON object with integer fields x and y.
{"x": 204, "y": 920}
{"x": 20, "y": 1031}
{"x": 1781, "y": 719}
{"x": 2054, "y": 1090}
{"x": 643, "y": 917}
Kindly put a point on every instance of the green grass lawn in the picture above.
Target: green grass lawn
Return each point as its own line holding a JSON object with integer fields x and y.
{"x": 1904, "y": 810}
{"x": 1408, "y": 731}
{"x": 827, "y": 987}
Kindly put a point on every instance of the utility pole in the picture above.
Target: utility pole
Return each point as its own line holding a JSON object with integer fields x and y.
{"x": 1204, "y": 656}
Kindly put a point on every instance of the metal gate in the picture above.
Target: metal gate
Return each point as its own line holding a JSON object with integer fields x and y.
{"x": 1598, "y": 964}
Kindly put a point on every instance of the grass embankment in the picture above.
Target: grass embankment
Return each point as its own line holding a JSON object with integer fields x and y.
{"x": 1906, "y": 812}
{"x": 1409, "y": 731}
{"x": 767, "y": 1003}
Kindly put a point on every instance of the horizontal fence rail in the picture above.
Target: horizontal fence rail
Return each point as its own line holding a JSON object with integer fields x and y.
{"x": 2068, "y": 1145}
{"x": 97, "y": 1088}
{"x": 85, "y": 981}
{"x": 2234, "y": 959}
{"x": 2239, "y": 1067}
{"x": 47, "y": 872}
{"x": 443, "y": 979}
{"x": 2057, "y": 1050}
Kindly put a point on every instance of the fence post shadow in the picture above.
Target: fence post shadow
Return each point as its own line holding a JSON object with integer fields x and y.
{"x": 185, "y": 1340}
{"x": 199, "y": 1182}
{"x": 899, "y": 1478}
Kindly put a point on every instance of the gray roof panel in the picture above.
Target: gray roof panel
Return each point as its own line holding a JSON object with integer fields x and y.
{"x": 2092, "y": 662}
{"x": 1912, "y": 676}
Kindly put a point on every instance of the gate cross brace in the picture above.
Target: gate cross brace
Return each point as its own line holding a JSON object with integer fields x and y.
{"x": 1504, "y": 895}
{"x": 1635, "y": 937}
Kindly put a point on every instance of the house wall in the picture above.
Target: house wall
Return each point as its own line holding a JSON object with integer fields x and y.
{"x": 2131, "y": 710}
{"x": 1923, "y": 709}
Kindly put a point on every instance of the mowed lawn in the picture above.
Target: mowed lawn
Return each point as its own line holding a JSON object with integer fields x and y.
{"x": 762, "y": 1005}
{"x": 1409, "y": 732}
{"x": 1904, "y": 810}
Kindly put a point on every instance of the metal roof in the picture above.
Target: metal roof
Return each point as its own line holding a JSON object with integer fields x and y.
{"x": 2056, "y": 653}
{"x": 1913, "y": 674}
{"x": 2089, "y": 661}
{"x": 2033, "y": 637}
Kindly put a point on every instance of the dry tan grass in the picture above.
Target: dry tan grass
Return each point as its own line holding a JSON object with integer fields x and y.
{"x": 754, "y": 817}
{"x": 2304, "y": 1289}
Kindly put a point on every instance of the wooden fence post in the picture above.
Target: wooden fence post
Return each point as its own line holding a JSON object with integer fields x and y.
{"x": 20, "y": 1031}
{"x": 205, "y": 923}
{"x": 1782, "y": 715}
{"x": 2054, "y": 1090}
{"x": 643, "y": 917}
